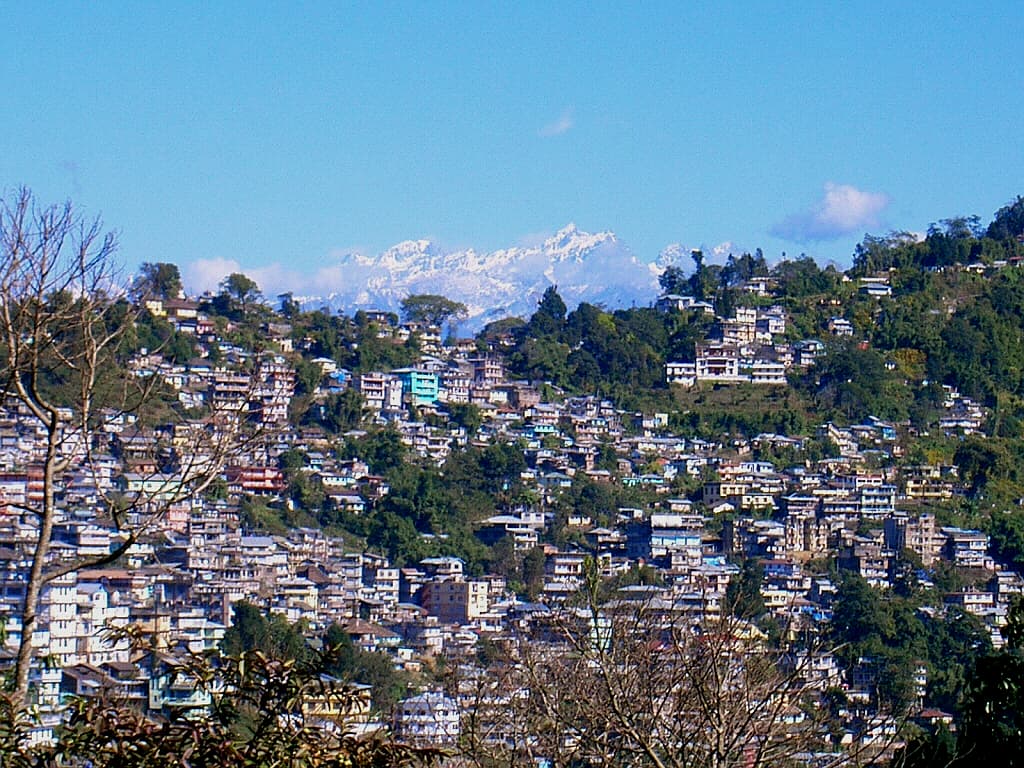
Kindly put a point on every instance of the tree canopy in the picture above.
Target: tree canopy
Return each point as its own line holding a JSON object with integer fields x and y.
{"x": 241, "y": 289}
{"x": 431, "y": 309}
{"x": 159, "y": 280}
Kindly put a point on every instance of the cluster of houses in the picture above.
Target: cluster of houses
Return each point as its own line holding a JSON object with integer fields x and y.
{"x": 745, "y": 347}
{"x": 749, "y": 346}
{"x": 177, "y": 586}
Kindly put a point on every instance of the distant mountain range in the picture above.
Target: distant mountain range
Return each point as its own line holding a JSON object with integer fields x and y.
{"x": 596, "y": 268}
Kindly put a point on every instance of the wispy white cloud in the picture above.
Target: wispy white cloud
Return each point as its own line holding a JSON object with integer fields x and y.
{"x": 563, "y": 124}
{"x": 842, "y": 210}
{"x": 680, "y": 255}
{"x": 206, "y": 275}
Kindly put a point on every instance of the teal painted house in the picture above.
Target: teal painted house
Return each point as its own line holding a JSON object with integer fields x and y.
{"x": 421, "y": 386}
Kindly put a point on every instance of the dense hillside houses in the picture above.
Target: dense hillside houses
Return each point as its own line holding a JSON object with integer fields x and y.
{"x": 439, "y": 499}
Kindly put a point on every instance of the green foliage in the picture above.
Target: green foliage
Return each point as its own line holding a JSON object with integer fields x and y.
{"x": 156, "y": 335}
{"x": 431, "y": 309}
{"x": 466, "y": 415}
{"x": 801, "y": 278}
{"x": 891, "y": 633}
{"x": 272, "y": 635}
{"x": 329, "y": 336}
{"x": 343, "y": 660}
{"x": 743, "y": 595}
{"x": 158, "y": 280}
{"x": 308, "y": 376}
{"x": 852, "y": 382}
{"x": 290, "y": 308}
{"x": 744, "y": 409}
{"x": 371, "y": 352}
{"x": 929, "y": 749}
{"x": 740, "y": 269}
{"x": 264, "y": 712}
{"x": 241, "y": 288}
{"x": 620, "y": 353}
{"x": 705, "y": 278}
{"x": 549, "y": 318}
{"x": 859, "y": 615}
{"x": 992, "y": 730}
{"x": 432, "y": 511}
{"x": 1006, "y": 531}
{"x": 1008, "y": 223}
{"x": 338, "y": 413}
{"x": 673, "y": 280}
{"x": 382, "y": 450}
{"x": 523, "y": 571}
{"x": 257, "y": 516}
{"x": 955, "y": 643}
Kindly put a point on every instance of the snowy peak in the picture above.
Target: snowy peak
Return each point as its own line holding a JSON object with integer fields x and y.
{"x": 570, "y": 242}
{"x": 594, "y": 267}
{"x": 408, "y": 249}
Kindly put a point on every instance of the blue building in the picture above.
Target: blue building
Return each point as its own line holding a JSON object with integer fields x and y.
{"x": 421, "y": 386}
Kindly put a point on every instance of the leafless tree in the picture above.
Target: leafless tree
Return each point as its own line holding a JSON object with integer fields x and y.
{"x": 638, "y": 683}
{"x": 65, "y": 327}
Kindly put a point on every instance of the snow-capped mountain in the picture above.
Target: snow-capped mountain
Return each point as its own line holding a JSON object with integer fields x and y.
{"x": 597, "y": 268}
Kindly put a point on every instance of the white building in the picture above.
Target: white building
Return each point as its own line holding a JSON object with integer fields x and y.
{"x": 430, "y": 718}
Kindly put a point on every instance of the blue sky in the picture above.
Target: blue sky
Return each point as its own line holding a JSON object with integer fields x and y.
{"x": 277, "y": 136}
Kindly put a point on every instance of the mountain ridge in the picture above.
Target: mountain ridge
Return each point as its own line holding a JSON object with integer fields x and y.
{"x": 593, "y": 267}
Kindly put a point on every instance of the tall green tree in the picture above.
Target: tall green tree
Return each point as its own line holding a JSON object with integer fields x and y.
{"x": 549, "y": 319}
{"x": 1008, "y": 222}
{"x": 159, "y": 280}
{"x": 992, "y": 731}
{"x": 673, "y": 280}
{"x": 432, "y": 309}
{"x": 705, "y": 278}
{"x": 241, "y": 290}
{"x": 252, "y": 629}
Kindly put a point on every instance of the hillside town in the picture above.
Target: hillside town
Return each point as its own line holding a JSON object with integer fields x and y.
{"x": 705, "y": 507}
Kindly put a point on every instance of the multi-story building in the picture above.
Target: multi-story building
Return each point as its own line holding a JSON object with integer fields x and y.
{"x": 455, "y": 600}
{"x": 380, "y": 391}
{"x": 421, "y": 387}
{"x": 430, "y": 718}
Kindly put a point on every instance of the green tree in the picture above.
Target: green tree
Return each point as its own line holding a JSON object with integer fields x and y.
{"x": 241, "y": 289}
{"x": 673, "y": 280}
{"x": 1008, "y": 222}
{"x": 466, "y": 415}
{"x": 382, "y": 450}
{"x": 853, "y": 382}
{"x": 338, "y": 413}
{"x": 799, "y": 278}
{"x": 705, "y": 278}
{"x": 263, "y": 712}
{"x": 290, "y": 308}
{"x": 432, "y": 309}
{"x": 739, "y": 269}
{"x": 992, "y": 731}
{"x": 533, "y": 572}
{"x": 159, "y": 280}
{"x": 549, "y": 319}
{"x": 308, "y": 376}
{"x": 253, "y": 630}
{"x": 743, "y": 595}
{"x": 345, "y": 661}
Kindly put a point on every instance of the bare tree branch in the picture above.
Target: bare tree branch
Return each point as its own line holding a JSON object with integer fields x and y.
{"x": 63, "y": 317}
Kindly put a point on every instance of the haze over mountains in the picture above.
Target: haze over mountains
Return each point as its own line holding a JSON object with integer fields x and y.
{"x": 597, "y": 268}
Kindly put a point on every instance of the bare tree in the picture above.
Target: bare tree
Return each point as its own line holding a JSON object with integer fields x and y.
{"x": 65, "y": 329}
{"x": 643, "y": 683}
